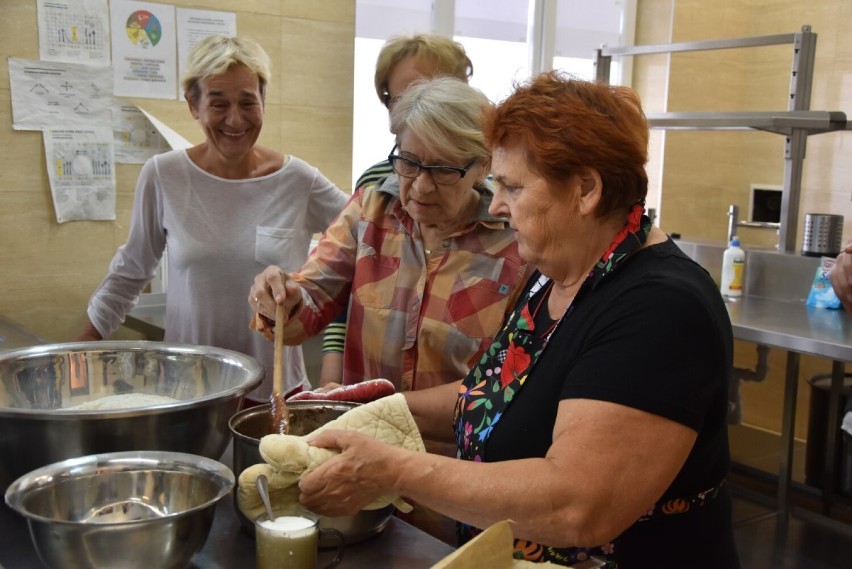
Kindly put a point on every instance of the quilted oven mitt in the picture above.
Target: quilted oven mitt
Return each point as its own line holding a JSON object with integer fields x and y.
{"x": 289, "y": 456}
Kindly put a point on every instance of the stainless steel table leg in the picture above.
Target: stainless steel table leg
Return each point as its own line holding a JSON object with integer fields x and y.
{"x": 785, "y": 472}
{"x": 829, "y": 480}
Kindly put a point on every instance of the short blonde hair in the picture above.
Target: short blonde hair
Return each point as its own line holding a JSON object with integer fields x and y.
{"x": 446, "y": 56}
{"x": 446, "y": 114}
{"x": 215, "y": 55}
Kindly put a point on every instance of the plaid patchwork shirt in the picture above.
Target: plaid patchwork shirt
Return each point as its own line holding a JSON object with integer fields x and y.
{"x": 417, "y": 320}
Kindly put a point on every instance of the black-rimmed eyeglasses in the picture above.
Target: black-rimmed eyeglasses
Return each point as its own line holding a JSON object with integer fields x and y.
{"x": 444, "y": 175}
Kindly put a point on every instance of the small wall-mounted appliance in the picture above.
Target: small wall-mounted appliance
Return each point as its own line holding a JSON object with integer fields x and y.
{"x": 764, "y": 203}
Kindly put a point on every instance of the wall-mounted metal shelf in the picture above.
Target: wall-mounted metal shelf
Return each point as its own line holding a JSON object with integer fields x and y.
{"x": 781, "y": 122}
{"x": 796, "y": 123}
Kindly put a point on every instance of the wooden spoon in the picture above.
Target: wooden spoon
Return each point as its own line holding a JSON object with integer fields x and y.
{"x": 280, "y": 413}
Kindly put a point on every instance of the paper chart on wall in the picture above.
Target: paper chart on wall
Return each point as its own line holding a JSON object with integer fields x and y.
{"x": 81, "y": 170}
{"x": 135, "y": 137}
{"x": 144, "y": 57}
{"x": 48, "y": 93}
{"x": 75, "y": 31}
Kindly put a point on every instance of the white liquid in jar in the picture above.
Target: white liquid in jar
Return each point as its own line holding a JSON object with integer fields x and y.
{"x": 289, "y": 526}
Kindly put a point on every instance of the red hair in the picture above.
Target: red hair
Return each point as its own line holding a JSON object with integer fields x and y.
{"x": 567, "y": 125}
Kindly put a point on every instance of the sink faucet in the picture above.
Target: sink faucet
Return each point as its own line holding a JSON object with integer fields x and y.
{"x": 733, "y": 222}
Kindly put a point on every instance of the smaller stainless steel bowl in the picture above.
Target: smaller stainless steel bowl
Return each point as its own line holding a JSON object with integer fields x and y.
{"x": 123, "y": 510}
{"x": 250, "y": 425}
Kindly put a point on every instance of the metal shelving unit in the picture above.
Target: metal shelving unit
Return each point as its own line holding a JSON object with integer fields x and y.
{"x": 795, "y": 124}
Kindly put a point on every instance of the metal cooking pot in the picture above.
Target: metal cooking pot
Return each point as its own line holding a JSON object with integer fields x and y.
{"x": 250, "y": 425}
{"x": 40, "y": 385}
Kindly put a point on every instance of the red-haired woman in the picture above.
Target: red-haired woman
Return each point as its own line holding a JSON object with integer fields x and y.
{"x": 596, "y": 421}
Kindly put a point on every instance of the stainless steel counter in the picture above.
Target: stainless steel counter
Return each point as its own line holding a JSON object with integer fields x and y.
{"x": 399, "y": 546}
{"x": 799, "y": 329}
{"x": 792, "y": 325}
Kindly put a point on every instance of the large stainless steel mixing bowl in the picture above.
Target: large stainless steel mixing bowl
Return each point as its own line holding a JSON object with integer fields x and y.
{"x": 127, "y": 510}
{"x": 37, "y": 383}
{"x": 250, "y": 425}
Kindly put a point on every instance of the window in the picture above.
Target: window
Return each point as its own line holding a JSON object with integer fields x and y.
{"x": 498, "y": 37}
{"x": 580, "y": 30}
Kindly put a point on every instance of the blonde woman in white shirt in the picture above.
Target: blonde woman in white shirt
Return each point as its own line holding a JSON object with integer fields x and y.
{"x": 225, "y": 209}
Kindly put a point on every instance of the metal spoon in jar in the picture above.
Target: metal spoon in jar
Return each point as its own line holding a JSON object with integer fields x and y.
{"x": 263, "y": 489}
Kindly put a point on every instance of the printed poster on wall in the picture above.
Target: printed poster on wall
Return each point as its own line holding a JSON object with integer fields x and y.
{"x": 144, "y": 48}
{"x": 75, "y": 31}
{"x": 81, "y": 170}
{"x": 47, "y": 93}
{"x": 135, "y": 138}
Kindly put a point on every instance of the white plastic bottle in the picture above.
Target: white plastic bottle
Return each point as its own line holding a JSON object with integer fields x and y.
{"x": 733, "y": 265}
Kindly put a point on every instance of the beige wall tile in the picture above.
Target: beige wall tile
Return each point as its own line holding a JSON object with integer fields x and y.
{"x": 328, "y": 10}
{"x": 18, "y": 39}
{"x": 307, "y": 42}
{"x": 269, "y": 7}
{"x": 21, "y": 162}
{"x": 316, "y": 135}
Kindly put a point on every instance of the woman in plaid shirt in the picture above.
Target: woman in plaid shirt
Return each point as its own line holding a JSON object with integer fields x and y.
{"x": 426, "y": 272}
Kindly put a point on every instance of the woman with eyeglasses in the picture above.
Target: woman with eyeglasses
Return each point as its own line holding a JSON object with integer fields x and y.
{"x": 430, "y": 272}
{"x": 402, "y": 61}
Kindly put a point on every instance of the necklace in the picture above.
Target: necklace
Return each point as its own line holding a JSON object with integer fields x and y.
{"x": 543, "y": 302}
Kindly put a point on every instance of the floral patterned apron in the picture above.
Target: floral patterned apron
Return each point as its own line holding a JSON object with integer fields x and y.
{"x": 502, "y": 371}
